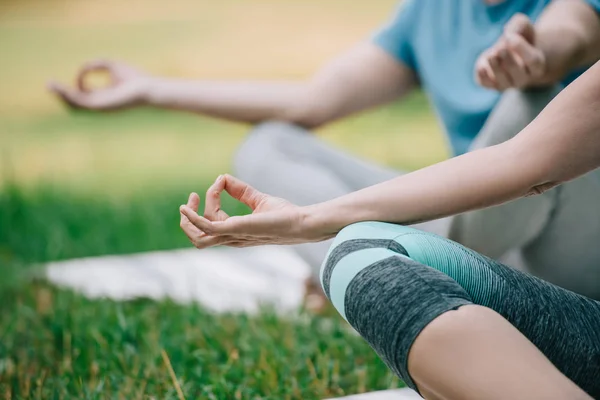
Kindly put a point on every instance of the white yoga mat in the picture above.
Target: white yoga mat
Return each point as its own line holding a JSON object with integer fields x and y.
{"x": 398, "y": 394}
{"x": 220, "y": 279}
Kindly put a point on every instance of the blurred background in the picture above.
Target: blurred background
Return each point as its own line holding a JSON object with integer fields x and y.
{"x": 78, "y": 184}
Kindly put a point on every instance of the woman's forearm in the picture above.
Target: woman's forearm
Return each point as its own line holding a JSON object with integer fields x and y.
{"x": 562, "y": 143}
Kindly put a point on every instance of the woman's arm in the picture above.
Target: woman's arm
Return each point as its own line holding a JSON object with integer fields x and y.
{"x": 562, "y": 143}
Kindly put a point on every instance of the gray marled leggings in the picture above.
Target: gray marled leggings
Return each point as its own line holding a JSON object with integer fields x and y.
{"x": 390, "y": 281}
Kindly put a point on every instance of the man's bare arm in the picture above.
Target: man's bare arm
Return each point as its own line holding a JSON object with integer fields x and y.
{"x": 361, "y": 78}
{"x": 568, "y": 33}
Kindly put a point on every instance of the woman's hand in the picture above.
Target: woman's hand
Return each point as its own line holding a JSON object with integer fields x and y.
{"x": 127, "y": 87}
{"x": 273, "y": 220}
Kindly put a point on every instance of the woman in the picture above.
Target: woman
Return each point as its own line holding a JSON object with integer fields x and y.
{"x": 450, "y": 322}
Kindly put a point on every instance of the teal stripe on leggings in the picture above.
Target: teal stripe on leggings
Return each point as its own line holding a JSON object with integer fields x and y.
{"x": 347, "y": 268}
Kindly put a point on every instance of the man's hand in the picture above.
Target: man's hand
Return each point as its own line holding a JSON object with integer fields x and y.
{"x": 127, "y": 87}
{"x": 273, "y": 220}
{"x": 514, "y": 61}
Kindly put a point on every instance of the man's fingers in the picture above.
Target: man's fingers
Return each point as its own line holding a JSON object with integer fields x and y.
{"x": 531, "y": 57}
{"x": 242, "y": 191}
{"x": 521, "y": 25}
{"x": 92, "y": 66}
{"x": 502, "y": 79}
{"x": 514, "y": 68}
{"x": 212, "y": 204}
{"x": 484, "y": 74}
{"x": 70, "y": 97}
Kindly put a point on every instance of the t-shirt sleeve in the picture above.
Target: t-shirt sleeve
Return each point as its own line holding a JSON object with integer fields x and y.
{"x": 595, "y": 4}
{"x": 396, "y": 36}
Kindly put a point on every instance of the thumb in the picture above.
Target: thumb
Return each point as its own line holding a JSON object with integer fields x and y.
{"x": 520, "y": 24}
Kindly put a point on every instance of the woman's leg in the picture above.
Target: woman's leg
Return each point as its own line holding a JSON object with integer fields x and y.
{"x": 405, "y": 290}
{"x": 474, "y": 353}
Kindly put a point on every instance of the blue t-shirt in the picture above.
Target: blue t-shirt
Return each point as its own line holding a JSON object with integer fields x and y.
{"x": 441, "y": 40}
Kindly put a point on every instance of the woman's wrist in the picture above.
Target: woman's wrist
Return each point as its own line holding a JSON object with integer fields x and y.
{"x": 326, "y": 219}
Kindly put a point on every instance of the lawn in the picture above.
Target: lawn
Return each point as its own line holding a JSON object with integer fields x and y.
{"x": 76, "y": 184}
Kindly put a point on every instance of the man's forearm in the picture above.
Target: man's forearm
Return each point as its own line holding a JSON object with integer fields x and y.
{"x": 568, "y": 33}
{"x": 361, "y": 78}
{"x": 562, "y": 143}
{"x": 250, "y": 102}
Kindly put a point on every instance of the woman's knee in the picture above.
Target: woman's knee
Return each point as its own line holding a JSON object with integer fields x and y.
{"x": 352, "y": 239}
{"x": 386, "y": 296}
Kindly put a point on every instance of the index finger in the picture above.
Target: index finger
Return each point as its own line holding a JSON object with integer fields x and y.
{"x": 241, "y": 191}
{"x": 71, "y": 97}
{"x": 96, "y": 65}
{"x": 212, "y": 204}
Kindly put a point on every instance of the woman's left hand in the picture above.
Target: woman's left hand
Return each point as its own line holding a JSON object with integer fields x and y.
{"x": 273, "y": 220}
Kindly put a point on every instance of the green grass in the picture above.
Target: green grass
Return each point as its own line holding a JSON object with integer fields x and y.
{"x": 57, "y": 344}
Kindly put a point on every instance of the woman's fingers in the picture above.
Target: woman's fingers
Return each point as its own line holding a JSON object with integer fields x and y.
{"x": 199, "y": 222}
{"x": 188, "y": 228}
{"x": 212, "y": 203}
{"x": 193, "y": 201}
{"x": 204, "y": 242}
{"x": 242, "y": 191}
{"x": 239, "y": 226}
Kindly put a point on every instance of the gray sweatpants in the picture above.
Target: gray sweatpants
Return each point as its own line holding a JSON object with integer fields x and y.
{"x": 553, "y": 236}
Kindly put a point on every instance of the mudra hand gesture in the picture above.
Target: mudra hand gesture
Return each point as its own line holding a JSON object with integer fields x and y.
{"x": 273, "y": 220}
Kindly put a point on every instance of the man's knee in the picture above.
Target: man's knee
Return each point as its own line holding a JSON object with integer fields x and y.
{"x": 512, "y": 226}
{"x": 264, "y": 142}
{"x": 513, "y": 112}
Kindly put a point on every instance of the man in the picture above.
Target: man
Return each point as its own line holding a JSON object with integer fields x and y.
{"x": 488, "y": 66}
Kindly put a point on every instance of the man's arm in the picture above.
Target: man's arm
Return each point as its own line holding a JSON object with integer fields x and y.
{"x": 566, "y": 37}
{"x": 568, "y": 33}
{"x": 363, "y": 77}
